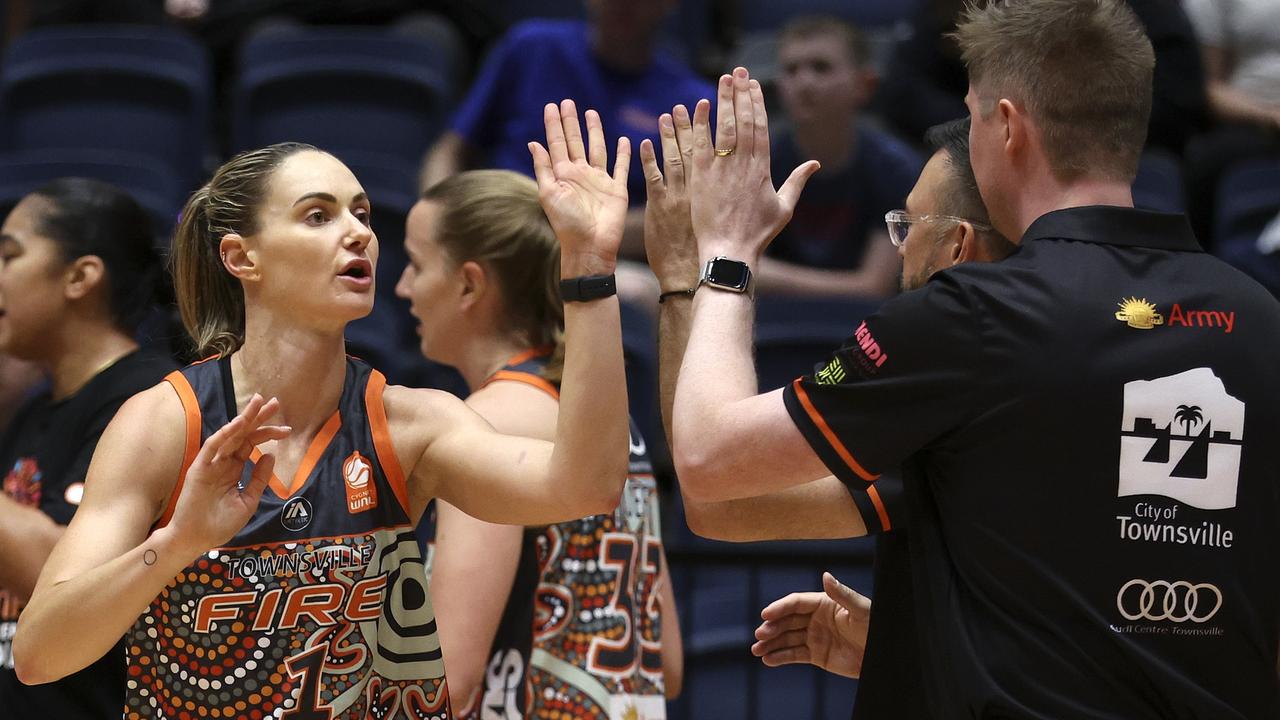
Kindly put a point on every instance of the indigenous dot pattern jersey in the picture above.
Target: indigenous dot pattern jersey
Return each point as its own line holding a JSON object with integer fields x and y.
{"x": 318, "y": 608}
{"x": 581, "y": 634}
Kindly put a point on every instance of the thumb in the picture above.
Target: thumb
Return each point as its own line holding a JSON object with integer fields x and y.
{"x": 789, "y": 193}
{"x": 845, "y": 596}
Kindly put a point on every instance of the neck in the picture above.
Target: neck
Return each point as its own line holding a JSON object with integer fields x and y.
{"x": 831, "y": 144}
{"x": 84, "y": 350}
{"x": 626, "y": 53}
{"x": 1051, "y": 195}
{"x": 484, "y": 356}
{"x": 303, "y": 368}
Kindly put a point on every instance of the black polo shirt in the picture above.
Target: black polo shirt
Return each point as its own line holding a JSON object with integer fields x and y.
{"x": 1094, "y": 422}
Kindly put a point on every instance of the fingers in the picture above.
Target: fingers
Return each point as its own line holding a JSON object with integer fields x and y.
{"x": 684, "y": 133}
{"x": 701, "y": 131}
{"x": 268, "y": 432}
{"x": 556, "y": 145}
{"x": 622, "y": 161}
{"x": 596, "y": 152}
{"x": 846, "y": 597}
{"x": 804, "y": 603}
{"x": 572, "y": 131}
{"x": 761, "y": 149}
{"x": 774, "y": 628}
{"x": 785, "y": 656}
{"x": 743, "y": 114}
{"x": 262, "y": 471}
{"x": 789, "y": 193}
{"x": 226, "y": 441}
{"x": 726, "y": 128}
{"x": 673, "y": 162}
{"x": 542, "y": 171}
{"x": 652, "y": 175}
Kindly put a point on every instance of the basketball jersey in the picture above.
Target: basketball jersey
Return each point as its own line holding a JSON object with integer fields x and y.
{"x": 581, "y": 634}
{"x": 318, "y": 608}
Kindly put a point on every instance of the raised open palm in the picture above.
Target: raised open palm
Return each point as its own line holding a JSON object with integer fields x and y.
{"x": 586, "y": 205}
{"x": 827, "y": 629}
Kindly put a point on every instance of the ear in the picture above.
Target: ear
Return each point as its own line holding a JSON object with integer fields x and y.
{"x": 966, "y": 247}
{"x": 238, "y": 259}
{"x": 1015, "y": 121}
{"x": 475, "y": 283}
{"x": 84, "y": 275}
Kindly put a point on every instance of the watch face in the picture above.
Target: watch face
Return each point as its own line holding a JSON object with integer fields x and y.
{"x": 729, "y": 273}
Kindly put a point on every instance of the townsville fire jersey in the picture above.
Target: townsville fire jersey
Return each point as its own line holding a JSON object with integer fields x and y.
{"x": 318, "y": 608}
{"x": 581, "y": 633}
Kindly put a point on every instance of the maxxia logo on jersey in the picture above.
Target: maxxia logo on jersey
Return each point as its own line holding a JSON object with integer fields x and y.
{"x": 1180, "y": 438}
{"x": 1178, "y": 605}
{"x": 1142, "y": 315}
{"x": 362, "y": 492}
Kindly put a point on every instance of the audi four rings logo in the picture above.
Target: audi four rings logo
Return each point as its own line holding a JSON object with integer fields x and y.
{"x": 1177, "y": 601}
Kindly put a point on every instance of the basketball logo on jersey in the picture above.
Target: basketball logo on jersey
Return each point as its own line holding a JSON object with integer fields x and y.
{"x": 1181, "y": 437}
{"x": 362, "y": 493}
{"x": 296, "y": 514}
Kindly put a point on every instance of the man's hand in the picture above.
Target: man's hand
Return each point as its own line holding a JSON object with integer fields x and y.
{"x": 826, "y": 629}
{"x": 586, "y": 205}
{"x": 735, "y": 210}
{"x": 668, "y": 229}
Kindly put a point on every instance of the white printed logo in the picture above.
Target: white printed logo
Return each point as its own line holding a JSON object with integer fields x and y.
{"x": 1177, "y": 601}
{"x": 1181, "y": 437}
{"x": 356, "y": 470}
{"x": 296, "y": 514}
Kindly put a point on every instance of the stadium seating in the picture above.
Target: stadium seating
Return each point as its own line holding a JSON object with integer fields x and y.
{"x": 1159, "y": 184}
{"x": 128, "y": 89}
{"x": 345, "y": 90}
{"x": 1248, "y": 199}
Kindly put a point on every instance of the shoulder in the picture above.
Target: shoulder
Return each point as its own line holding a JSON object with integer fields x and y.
{"x": 516, "y": 408}
{"x": 146, "y": 445}
{"x": 416, "y": 416}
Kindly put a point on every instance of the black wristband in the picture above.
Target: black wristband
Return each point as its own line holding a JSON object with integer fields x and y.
{"x": 588, "y": 287}
{"x": 687, "y": 292}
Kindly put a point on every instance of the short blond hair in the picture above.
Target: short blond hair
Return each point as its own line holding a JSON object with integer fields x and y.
{"x": 1082, "y": 69}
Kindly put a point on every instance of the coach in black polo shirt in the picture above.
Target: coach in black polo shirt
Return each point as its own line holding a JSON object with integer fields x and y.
{"x": 1094, "y": 418}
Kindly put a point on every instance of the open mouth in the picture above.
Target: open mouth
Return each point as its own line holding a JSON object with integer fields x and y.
{"x": 358, "y": 269}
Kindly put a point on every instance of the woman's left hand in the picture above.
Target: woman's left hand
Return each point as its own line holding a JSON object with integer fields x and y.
{"x": 586, "y": 205}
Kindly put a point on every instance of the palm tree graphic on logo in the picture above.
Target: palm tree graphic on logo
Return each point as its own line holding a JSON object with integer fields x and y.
{"x": 1189, "y": 416}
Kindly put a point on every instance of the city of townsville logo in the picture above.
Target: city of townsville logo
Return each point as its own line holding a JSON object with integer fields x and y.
{"x": 1139, "y": 314}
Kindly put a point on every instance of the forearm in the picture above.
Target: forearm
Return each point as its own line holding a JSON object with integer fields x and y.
{"x": 27, "y": 536}
{"x": 71, "y": 623}
{"x": 1230, "y": 104}
{"x": 672, "y": 641}
{"x": 445, "y": 159}
{"x": 818, "y": 510}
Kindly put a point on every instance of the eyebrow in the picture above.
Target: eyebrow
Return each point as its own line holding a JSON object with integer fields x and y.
{"x": 328, "y": 198}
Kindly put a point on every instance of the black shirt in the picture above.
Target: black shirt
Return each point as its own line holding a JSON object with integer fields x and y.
{"x": 1094, "y": 419}
{"x": 45, "y": 454}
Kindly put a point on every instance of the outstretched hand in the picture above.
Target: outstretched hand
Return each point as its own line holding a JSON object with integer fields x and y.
{"x": 735, "y": 209}
{"x": 212, "y": 507}
{"x": 827, "y": 629}
{"x": 587, "y": 206}
{"x": 669, "y": 243}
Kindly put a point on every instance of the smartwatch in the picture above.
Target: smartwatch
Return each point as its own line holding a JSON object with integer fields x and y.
{"x": 725, "y": 274}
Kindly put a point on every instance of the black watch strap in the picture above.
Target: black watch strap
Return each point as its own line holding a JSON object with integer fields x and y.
{"x": 588, "y": 287}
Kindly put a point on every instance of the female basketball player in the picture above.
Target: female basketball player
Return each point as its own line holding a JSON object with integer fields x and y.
{"x": 77, "y": 276}
{"x": 305, "y": 596}
{"x": 576, "y": 617}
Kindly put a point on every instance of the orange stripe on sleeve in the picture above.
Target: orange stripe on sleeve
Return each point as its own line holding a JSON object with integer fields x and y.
{"x": 880, "y": 509}
{"x": 540, "y": 383}
{"x": 830, "y": 435}
{"x": 387, "y": 458}
{"x": 191, "y": 408}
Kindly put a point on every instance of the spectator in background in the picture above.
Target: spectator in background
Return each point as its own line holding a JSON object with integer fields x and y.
{"x": 925, "y": 82}
{"x": 77, "y": 274}
{"x": 1240, "y": 42}
{"x": 836, "y": 243}
{"x": 610, "y": 63}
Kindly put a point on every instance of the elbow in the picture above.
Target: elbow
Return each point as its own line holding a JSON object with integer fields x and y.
{"x": 699, "y": 475}
{"x": 607, "y": 498}
{"x": 27, "y": 665}
{"x": 673, "y": 684}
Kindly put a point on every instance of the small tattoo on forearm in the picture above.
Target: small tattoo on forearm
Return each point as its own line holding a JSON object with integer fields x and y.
{"x": 149, "y": 557}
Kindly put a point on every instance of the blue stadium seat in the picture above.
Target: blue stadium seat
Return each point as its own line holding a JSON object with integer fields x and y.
{"x": 150, "y": 183}
{"x": 1159, "y": 184}
{"x": 343, "y": 89}
{"x": 1248, "y": 199}
{"x": 135, "y": 89}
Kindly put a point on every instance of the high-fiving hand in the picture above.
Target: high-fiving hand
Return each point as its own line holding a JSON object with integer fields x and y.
{"x": 669, "y": 243}
{"x": 586, "y": 205}
{"x": 827, "y": 629}
{"x": 735, "y": 210}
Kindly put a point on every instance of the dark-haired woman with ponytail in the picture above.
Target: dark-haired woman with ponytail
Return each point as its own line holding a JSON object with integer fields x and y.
{"x": 77, "y": 275}
{"x": 248, "y": 524}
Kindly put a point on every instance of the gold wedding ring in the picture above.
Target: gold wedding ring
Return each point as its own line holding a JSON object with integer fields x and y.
{"x": 725, "y": 153}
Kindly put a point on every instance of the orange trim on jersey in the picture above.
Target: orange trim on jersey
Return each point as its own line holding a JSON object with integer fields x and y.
{"x": 536, "y": 381}
{"x": 381, "y": 430}
{"x": 318, "y": 445}
{"x": 190, "y": 408}
{"x": 529, "y": 354}
{"x": 880, "y": 510}
{"x": 830, "y": 435}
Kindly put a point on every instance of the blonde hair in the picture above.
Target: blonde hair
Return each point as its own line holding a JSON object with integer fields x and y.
{"x": 1083, "y": 68}
{"x": 493, "y": 217}
{"x": 210, "y": 299}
